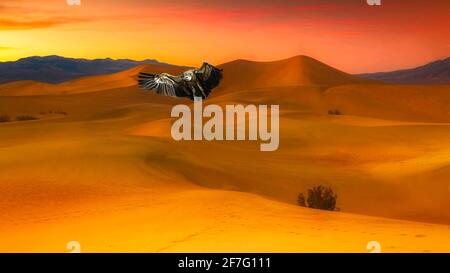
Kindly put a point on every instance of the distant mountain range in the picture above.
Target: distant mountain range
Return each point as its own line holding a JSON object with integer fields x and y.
{"x": 239, "y": 75}
{"x": 56, "y": 69}
{"x": 437, "y": 72}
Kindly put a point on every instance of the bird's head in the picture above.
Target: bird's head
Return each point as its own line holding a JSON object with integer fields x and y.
{"x": 188, "y": 75}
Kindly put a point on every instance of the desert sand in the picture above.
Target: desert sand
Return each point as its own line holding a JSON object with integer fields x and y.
{"x": 108, "y": 174}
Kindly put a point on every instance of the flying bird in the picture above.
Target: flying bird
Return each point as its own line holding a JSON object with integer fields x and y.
{"x": 192, "y": 83}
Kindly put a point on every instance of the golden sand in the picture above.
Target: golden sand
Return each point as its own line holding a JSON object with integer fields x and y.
{"x": 109, "y": 176}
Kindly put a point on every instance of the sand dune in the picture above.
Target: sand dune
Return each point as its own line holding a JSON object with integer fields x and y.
{"x": 399, "y": 102}
{"x": 119, "y": 193}
{"x": 83, "y": 85}
{"x": 109, "y": 175}
{"x": 299, "y": 70}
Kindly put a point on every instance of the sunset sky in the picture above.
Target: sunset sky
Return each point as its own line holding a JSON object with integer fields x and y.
{"x": 349, "y": 35}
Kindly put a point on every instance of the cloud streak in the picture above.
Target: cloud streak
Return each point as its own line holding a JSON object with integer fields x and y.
{"x": 13, "y": 24}
{"x": 348, "y": 34}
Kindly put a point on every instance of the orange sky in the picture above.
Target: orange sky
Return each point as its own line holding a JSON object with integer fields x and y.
{"x": 349, "y": 35}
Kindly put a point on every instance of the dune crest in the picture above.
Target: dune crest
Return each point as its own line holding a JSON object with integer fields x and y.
{"x": 298, "y": 70}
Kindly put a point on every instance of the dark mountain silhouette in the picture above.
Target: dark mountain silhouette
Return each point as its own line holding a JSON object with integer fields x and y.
{"x": 437, "y": 72}
{"x": 56, "y": 69}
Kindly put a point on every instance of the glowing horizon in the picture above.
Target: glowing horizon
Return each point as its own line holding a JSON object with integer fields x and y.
{"x": 350, "y": 36}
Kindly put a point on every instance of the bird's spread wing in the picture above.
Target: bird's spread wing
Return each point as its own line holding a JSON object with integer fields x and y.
{"x": 163, "y": 84}
{"x": 209, "y": 76}
{"x": 206, "y": 78}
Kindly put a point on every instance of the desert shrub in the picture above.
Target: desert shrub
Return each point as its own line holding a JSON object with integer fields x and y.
{"x": 319, "y": 197}
{"x": 334, "y": 112}
{"x": 57, "y": 112}
{"x": 25, "y": 117}
{"x": 61, "y": 112}
{"x": 5, "y": 118}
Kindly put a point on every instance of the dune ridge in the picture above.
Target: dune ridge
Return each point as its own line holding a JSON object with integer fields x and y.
{"x": 298, "y": 70}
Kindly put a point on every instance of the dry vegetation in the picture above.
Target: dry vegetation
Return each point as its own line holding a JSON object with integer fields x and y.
{"x": 25, "y": 117}
{"x": 319, "y": 197}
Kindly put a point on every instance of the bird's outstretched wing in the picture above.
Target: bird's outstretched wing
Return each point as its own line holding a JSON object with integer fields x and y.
{"x": 209, "y": 77}
{"x": 164, "y": 84}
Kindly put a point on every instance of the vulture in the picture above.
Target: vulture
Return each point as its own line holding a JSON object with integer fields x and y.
{"x": 192, "y": 83}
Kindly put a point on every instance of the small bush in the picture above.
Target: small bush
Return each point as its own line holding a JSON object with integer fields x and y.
{"x": 5, "y": 118}
{"x": 57, "y": 112}
{"x": 334, "y": 112}
{"x": 25, "y": 117}
{"x": 60, "y": 112}
{"x": 319, "y": 197}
